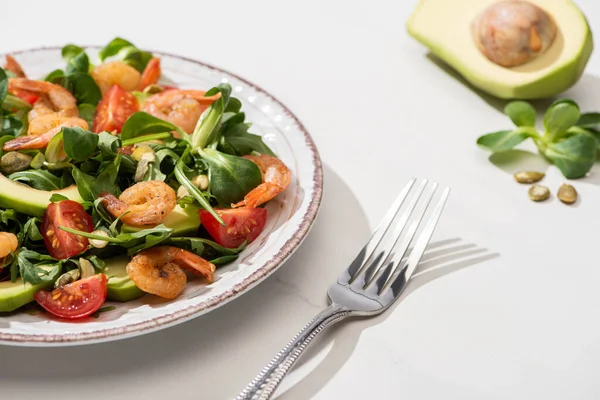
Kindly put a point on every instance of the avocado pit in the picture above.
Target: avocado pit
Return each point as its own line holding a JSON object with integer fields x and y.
{"x": 513, "y": 32}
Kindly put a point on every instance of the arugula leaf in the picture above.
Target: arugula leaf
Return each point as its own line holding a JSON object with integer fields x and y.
{"x": 11, "y": 126}
{"x": 108, "y": 143}
{"x": 243, "y": 142}
{"x": 141, "y": 123}
{"x": 521, "y": 113}
{"x": 30, "y": 263}
{"x": 574, "y": 156}
{"x": 192, "y": 189}
{"x": 38, "y": 179}
{"x": 231, "y": 177}
{"x": 87, "y": 112}
{"x": 31, "y": 232}
{"x": 85, "y": 184}
{"x": 78, "y": 143}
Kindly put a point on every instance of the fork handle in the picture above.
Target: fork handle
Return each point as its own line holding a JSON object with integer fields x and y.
{"x": 266, "y": 382}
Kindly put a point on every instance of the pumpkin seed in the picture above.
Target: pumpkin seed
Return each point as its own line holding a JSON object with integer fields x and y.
{"x": 66, "y": 278}
{"x": 14, "y": 162}
{"x": 567, "y": 194}
{"x": 97, "y": 243}
{"x": 529, "y": 176}
{"x": 539, "y": 193}
{"x": 86, "y": 269}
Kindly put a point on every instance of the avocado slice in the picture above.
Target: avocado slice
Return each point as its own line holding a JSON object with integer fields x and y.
{"x": 448, "y": 29}
{"x": 183, "y": 221}
{"x": 14, "y": 295}
{"x": 120, "y": 286}
{"x": 28, "y": 200}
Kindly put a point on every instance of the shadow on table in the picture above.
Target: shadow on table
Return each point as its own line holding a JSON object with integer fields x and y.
{"x": 587, "y": 87}
{"x": 441, "y": 258}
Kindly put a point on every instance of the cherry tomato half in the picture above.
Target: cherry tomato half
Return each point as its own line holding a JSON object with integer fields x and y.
{"x": 113, "y": 110}
{"x": 75, "y": 300}
{"x": 241, "y": 224}
{"x": 62, "y": 244}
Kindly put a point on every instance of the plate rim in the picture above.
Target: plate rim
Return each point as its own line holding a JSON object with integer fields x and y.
{"x": 192, "y": 311}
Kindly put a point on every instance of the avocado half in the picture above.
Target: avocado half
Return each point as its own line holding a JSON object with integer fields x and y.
{"x": 444, "y": 26}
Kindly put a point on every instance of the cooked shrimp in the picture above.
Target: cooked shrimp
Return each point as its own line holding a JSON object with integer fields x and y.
{"x": 145, "y": 203}
{"x": 180, "y": 107}
{"x": 276, "y": 178}
{"x": 8, "y": 243}
{"x": 151, "y": 74}
{"x": 58, "y": 99}
{"x": 38, "y": 140}
{"x": 159, "y": 270}
{"x": 13, "y": 66}
{"x": 116, "y": 72}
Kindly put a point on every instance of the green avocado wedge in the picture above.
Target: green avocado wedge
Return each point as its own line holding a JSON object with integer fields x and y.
{"x": 120, "y": 286}
{"x": 28, "y": 200}
{"x": 445, "y": 27}
{"x": 183, "y": 221}
{"x": 14, "y": 295}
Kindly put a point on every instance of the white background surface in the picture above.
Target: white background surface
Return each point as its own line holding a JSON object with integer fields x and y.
{"x": 511, "y": 310}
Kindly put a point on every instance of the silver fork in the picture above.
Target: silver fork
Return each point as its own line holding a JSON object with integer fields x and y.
{"x": 371, "y": 283}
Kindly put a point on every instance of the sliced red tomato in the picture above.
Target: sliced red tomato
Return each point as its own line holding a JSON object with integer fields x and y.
{"x": 62, "y": 244}
{"x": 26, "y": 95}
{"x": 75, "y": 300}
{"x": 151, "y": 73}
{"x": 241, "y": 224}
{"x": 113, "y": 110}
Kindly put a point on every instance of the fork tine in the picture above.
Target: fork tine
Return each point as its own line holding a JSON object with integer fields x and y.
{"x": 367, "y": 251}
{"x": 400, "y": 247}
{"x": 374, "y": 268}
{"x": 399, "y": 283}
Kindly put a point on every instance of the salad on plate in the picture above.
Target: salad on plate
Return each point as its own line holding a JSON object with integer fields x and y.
{"x": 114, "y": 184}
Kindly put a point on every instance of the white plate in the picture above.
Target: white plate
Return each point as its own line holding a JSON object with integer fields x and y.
{"x": 290, "y": 217}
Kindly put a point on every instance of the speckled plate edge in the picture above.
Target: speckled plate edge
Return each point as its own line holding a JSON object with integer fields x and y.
{"x": 193, "y": 311}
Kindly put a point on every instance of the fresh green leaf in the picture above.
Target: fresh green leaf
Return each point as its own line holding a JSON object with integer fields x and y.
{"x": 141, "y": 123}
{"x": 559, "y": 117}
{"x": 77, "y": 63}
{"x": 192, "y": 189}
{"x": 147, "y": 138}
{"x": 589, "y": 120}
{"x": 29, "y": 267}
{"x": 38, "y": 179}
{"x": 87, "y": 112}
{"x": 244, "y": 143}
{"x": 113, "y": 48}
{"x": 57, "y": 76}
{"x": 15, "y": 103}
{"x": 84, "y": 87}
{"x": 78, "y": 143}
{"x": 231, "y": 177}
{"x": 71, "y": 51}
{"x": 11, "y": 126}
{"x": 108, "y": 143}
{"x": 3, "y": 85}
{"x": 574, "y": 156}
{"x": 55, "y": 198}
{"x": 521, "y": 113}
{"x": 55, "y": 152}
{"x": 31, "y": 233}
{"x": 502, "y": 140}
{"x": 224, "y": 260}
{"x": 135, "y": 57}
{"x": 105, "y": 182}
{"x": 85, "y": 184}
{"x": 206, "y": 129}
